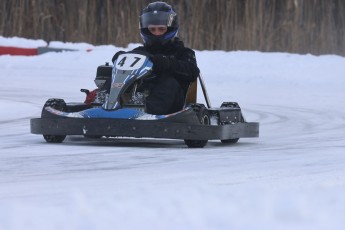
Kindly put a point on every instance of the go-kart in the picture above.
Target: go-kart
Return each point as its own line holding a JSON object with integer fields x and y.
{"x": 118, "y": 110}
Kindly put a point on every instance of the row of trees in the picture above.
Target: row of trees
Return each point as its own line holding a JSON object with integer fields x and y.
{"x": 298, "y": 26}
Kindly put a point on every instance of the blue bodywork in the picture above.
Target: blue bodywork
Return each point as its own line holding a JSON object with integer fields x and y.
{"x": 127, "y": 69}
{"x": 123, "y": 113}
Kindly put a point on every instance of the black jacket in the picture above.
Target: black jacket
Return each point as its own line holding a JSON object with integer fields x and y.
{"x": 182, "y": 60}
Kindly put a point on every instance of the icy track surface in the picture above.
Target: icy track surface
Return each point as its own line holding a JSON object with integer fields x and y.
{"x": 292, "y": 177}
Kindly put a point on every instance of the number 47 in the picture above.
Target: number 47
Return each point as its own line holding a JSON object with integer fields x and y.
{"x": 123, "y": 60}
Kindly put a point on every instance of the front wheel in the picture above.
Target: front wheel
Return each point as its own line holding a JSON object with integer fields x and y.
{"x": 54, "y": 138}
{"x": 93, "y": 136}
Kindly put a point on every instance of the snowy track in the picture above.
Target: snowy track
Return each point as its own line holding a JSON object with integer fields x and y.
{"x": 292, "y": 177}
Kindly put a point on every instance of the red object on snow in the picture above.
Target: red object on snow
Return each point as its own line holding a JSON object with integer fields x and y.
{"x": 17, "y": 51}
{"x": 31, "y": 51}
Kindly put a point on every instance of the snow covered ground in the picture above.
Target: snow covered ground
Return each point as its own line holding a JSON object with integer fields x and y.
{"x": 292, "y": 177}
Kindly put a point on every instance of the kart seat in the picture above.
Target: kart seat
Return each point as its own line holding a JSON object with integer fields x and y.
{"x": 191, "y": 93}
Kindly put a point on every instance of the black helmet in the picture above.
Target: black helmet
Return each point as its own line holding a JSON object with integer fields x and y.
{"x": 158, "y": 13}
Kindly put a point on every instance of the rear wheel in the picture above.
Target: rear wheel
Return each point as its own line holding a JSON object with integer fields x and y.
{"x": 231, "y": 105}
{"x": 230, "y": 141}
{"x": 57, "y": 104}
{"x": 204, "y": 119}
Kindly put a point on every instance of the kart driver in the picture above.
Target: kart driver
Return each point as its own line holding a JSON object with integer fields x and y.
{"x": 173, "y": 64}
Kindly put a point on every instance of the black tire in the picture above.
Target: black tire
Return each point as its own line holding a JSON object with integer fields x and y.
{"x": 231, "y": 105}
{"x": 93, "y": 136}
{"x": 57, "y": 104}
{"x": 195, "y": 143}
{"x": 54, "y": 138}
{"x": 230, "y": 141}
{"x": 204, "y": 119}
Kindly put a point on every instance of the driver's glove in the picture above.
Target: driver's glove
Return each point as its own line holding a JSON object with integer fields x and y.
{"x": 117, "y": 55}
{"x": 162, "y": 63}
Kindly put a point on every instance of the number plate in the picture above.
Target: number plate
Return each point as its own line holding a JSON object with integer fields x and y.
{"x": 130, "y": 61}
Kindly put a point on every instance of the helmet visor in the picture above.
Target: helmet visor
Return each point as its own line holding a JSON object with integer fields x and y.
{"x": 157, "y": 18}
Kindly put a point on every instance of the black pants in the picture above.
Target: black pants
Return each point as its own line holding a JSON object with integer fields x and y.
{"x": 166, "y": 96}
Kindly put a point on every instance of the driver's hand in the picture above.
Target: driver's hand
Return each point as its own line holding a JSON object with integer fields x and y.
{"x": 162, "y": 63}
{"x": 117, "y": 55}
